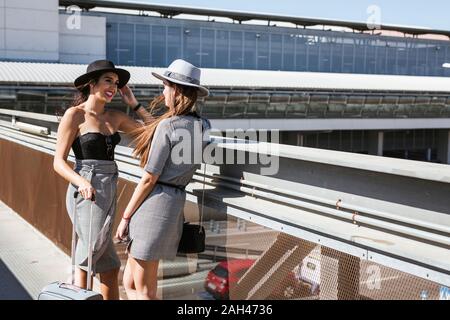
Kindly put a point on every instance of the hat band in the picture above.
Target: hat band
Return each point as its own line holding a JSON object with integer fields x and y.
{"x": 181, "y": 77}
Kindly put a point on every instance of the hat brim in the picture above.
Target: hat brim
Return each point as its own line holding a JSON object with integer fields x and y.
{"x": 202, "y": 91}
{"x": 124, "y": 76}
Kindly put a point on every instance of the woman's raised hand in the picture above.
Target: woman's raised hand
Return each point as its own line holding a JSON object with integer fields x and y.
{"x": 128, "y": 97}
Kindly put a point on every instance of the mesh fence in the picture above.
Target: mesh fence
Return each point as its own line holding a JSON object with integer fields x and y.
{"x": 244, "y": 260}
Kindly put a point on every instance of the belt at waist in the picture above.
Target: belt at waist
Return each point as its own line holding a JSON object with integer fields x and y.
{"x": 182, "y": 188}
{"x": 96, "y": 166}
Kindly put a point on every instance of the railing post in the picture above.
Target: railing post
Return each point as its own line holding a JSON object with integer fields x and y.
{"x": 339, "y": 275}
{"x": 271, "y": 268}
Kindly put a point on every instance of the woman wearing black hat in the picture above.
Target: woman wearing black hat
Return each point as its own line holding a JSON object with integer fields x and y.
{"x": 92, "y": 132}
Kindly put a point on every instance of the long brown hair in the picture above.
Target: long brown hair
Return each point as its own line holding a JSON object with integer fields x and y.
{"x": 80, "y": 96}
{"x": 143, "y": 136}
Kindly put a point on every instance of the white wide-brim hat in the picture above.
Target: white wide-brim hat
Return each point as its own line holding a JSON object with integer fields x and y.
{"x": 184, "y": 73}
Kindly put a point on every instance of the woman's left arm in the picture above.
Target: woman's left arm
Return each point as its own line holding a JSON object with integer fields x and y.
{"x": 143, "y": 189}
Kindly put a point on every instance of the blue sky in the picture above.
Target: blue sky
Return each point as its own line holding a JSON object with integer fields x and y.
{"x": 430, "y": 14}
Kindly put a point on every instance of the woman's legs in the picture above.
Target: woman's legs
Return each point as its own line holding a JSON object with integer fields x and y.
{"x": 80, "y": 278}
{"x": 109, "y": 284}
{"x": 145, "y": 276}
{"x": 128, "y": 282}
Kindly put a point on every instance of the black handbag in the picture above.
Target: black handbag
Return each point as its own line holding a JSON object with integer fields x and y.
{"x": 193, "y": 236}
{"x": 192, "y": 239}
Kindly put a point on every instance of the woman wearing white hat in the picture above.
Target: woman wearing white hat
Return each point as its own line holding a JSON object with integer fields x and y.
{"x": 153, "y": 218}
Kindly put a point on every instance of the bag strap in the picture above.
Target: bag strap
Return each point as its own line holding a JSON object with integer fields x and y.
{"x": 204, "y": 174}
{"x": 203, "y": 197}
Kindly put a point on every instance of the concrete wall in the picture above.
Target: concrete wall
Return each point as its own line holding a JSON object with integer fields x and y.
{"x": 29, "y": 30}
{"x": 35, "y": 30}
{"x": 83, "y": 40}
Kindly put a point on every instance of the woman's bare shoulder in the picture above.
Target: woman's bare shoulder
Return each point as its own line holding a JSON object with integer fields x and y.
{"x": 74, "y": 114}
{"x": 115, "y": 113}
{"x": 116, "y": 116}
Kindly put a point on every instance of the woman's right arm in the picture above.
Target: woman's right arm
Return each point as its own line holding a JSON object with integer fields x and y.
{"x": 129, "y": 99}
{"x": 67, "y": 131}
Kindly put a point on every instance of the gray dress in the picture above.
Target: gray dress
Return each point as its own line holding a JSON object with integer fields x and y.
{"x": 156, "y": 226}
{"x": 103, "y": 176}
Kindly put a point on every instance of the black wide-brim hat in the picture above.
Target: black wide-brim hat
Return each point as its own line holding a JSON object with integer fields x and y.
{"x": 97, "y": 68}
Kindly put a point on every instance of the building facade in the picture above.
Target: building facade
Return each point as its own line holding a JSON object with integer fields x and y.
{"x": 47, "y": 32}
{"x": 44, "y": 31}
{"x": 155, "y": 42}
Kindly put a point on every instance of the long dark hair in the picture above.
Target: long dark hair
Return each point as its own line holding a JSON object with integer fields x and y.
{"x": 80, "y": 96}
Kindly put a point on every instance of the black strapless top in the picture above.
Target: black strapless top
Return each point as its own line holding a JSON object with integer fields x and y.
{"x": 95, "y": 146}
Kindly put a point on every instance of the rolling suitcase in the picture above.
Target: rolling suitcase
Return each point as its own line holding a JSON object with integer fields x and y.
{"x": 64, "y": 291}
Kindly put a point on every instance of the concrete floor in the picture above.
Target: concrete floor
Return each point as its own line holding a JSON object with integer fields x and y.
{"x": 28, "y": 260}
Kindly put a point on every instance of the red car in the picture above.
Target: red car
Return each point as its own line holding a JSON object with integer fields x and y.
{"x": 218, "y": 279}
{"x": 227, "y": 273}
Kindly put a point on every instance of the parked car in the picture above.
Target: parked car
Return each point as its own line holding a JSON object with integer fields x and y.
{"x": 225, "y": 273}
{"x": 303, "y": 280}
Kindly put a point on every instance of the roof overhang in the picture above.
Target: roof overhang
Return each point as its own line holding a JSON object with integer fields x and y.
{"x": 171, "y": 11}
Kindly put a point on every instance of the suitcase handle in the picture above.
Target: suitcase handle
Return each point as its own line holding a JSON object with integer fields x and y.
{"x": 74, "y": 235}
{"x": 75, "y": 195}
{"x": 70, "y": 287}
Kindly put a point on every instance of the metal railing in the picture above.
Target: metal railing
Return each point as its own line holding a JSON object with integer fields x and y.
{"x": 389, "y": 211}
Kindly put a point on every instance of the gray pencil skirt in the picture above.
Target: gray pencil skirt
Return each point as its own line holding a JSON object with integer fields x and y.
{"x": 103, "y": 176}
{"x": 155, "y": 228}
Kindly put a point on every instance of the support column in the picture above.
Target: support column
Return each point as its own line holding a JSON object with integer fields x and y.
{"x": 376, "y": 143}
{"x": 443, "y": 148}
{"x": 271, "y": 268}
{"x": 428, "y": 155}
{"x": 299, "y": 139}
{"x": 292, "y": 138}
